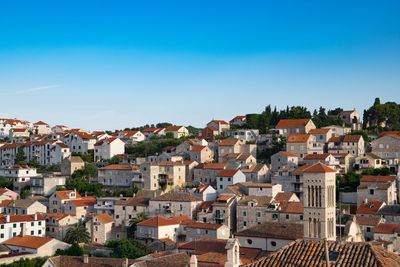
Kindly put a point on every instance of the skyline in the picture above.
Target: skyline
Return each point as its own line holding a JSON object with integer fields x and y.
{"x": 96, "y": 66}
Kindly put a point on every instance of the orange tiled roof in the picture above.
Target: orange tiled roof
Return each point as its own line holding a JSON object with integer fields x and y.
{"x": 88, "y": 201}
{"x": 345, "y": 138}
{"x": 387, "y": 228}
{"x": 219, "y": 121}
{"x": 286, "y": 153}
{"x": 298, "y": 138}
{"x": 198, "y": 148}
{"x": 227, "y": 173}
{"x": 40, "y": 123}
{"x": 122, "y": 167}
{"x": 58, "y": 216}
{"x": 292, "y": 123}
{"x": 21, "y": 218}
{"x": 395, "y": 133}
{"x": 228, "y": 142}
{"x": 215, "y": 166}
{"x": 293, "y": 207}
{"x": 319, "y": 131}
{"x": 315, "y": 168}
{"x": 317, "y": 156}
{"x": 158, "y": 221}
{"x": 372, "y": 178}
{"x": 371, "y": 207}
{"x": 173, "y": 128}
{"x": 28, "y": 241}
{"x": 104, "y": 218}
{"x": 63, "y": 194}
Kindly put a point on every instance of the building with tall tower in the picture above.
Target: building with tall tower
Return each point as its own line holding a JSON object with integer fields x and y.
{"x": 319, "y": 220}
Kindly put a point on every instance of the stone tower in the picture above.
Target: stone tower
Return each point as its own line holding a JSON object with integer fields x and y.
{"x": 319, "y": 220}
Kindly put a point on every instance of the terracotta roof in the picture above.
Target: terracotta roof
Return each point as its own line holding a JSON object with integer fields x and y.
{"x": 368, "y": 221}
{"x": 181, "y": 259}
{"x": 104, "y": 218}
{"x": 109, "y": 141}
{"x": 176, "y": 197}
{"x": 371, "y": 207}
{"x": 252, "y": 167}
{"x": 40, "y": 123}
{"x": 315, "y": 168}
{"x": 64, "y": 194}
{"x": 382, "y": 179}
{"x": 395, "y": 133}
{"x": 6, "y": 202}
{"x": 287, "y": 154}
{"x": 319, "y": 131}
{"x": 84, "y": 135}
{"x": 254, "y": 185}
{"x": 121, "y": 167}
{"x": 345, "y": 138}
{"x": 227, "y": 173}
{"x": 21, "y": 218}
{"x": 77, "y": 261}
{"x": 198, "y": 148}
{"x": 261, "y": 201}
{"x": 274, "y": 230}
{"x": 201, "y": 188}
{"x": 158, "y": 221}
{"x": 215, "y": 166}
{"x": 171, "y": 163}
{"x": 228, "y": 142}
{"x": 58, "y": 216}
{"x": 205, "y": 245}
{"x": 28, "y": 241}
{"x": 298, "y": 138}
{"x": 312, "y": 253}
{"x": 387, "y": 228}
{"x": 21, "y": 203}
{"x": 293, "y": 207}
{"x": 238, "y": 117}
{"x": 292, "y": 123}
{"x": 212, "y": 128}
{"x": 173, "y": 128}
{"x": 84, "y": 202}
{"x": 317, "y": 156}
{"x": 62, "y": 145}
{"x": 205, "y": 205}
{"x": 283, "y": 196}
{"x": 219, "y": 121}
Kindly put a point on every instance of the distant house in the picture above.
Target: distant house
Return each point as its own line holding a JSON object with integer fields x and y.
{"x": 40, "y": 246}
{"x": 201, "y": 154}
{"x": 59, "y": 199}
{"x": 205, "y": 192}
{"x": 14, "y": 225}
{"x": 7, "y": 194}
{"x": 321, "y": 135}
{"x": 297, "y": 126}
{"x": 269, "y": 236}
{"x": 157, "y": 228}
{"x": 81, "y": 207}
{"x": 57, "y": 224}
{"x": 18, "y": 132}
{"x": 226, "y": 178}
{"x": 131, "y": 136}
{"x": 387, "y": 147}
{"x": 303, "y": 144}
{"x": 283, "y": 159}
{"x": 197, "y": 230}
{"x": 352, "y": 118}
{"x": 71, "y": 164}
{"x": 377, "y": 188}
{"x": 117, "y": 175}
{"x": 220, "y": 125}
{"x": 352, "y": 144}
{"x": 99, "y": 227}
{"x": 209, "y": 133}
{"x": 238, "y": 120}
{"x": 41, "y": 127}
{"x": 177, "y": 131}
{"x": 24, "y": 206}
{"x": 171, "y": 204}
{"x": 368, "y": 160}
{"x": 107, "y": 148}
{"x": 149, "y": 132}
{"x": 79, "y": 141}
{"x": 338, "y": 130}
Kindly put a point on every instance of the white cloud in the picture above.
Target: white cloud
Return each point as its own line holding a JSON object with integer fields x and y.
{"x": 30, "y": 90}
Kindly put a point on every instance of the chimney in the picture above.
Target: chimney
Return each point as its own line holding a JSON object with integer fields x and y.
{"x": 365, "y": 201}
{"x": 8, "y": 218}
{"x": 86, "y": 259}
{"x": 35, "y": 217}
{"x": 23, "y": 229}
{"x": 193, "y": 261}
{"x": 125, "y": 262}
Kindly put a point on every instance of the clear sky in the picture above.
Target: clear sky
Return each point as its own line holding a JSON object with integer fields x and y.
{"x": 116, "y": 64}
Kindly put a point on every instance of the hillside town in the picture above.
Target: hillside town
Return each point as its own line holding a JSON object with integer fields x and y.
{"x": 295, "y": 193}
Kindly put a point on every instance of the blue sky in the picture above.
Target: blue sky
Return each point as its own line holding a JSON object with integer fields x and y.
{"x": 116, "y": 64}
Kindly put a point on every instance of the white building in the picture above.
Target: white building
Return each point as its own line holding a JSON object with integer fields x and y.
{"x": 226, "y": 178}
{"x": 14, "y": 225}
{"x": 79, "y": 141}
{"x": 108, "y": 148}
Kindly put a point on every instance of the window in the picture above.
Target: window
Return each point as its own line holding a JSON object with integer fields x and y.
{"x": 249, "y": 241}
{"x": 258, "y": 214}
{"x": 14, "y": 234}
{"x": 2, "y": 226}
{"x": 273, "y": 243}
{"x": 14, "y": 225}
{"x": 32, "y": 232}
{"x": 244, "y": 213}
{"x": 371, "y": 191}
{"x": 32, "y": 223}
{"x": 1, "y": 235}
{"x": 244, "y": 223}
{"x": 301, "y": 217}
{"x": 274, "y": 216}
{"x": 40, "y": 232}
{"x": 287, "y": 216}
{"x": 220, "y": 187}
{"x": 368, "y": 229}
{"x": 123, "y": 208}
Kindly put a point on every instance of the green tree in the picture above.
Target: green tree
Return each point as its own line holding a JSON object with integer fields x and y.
{"x": 77, "y": 234}
{"x": 128, "y": 248}
{"x": 169, "y": 135}
{"x": 221, "y": 136}
{"x": 73, "y": 250}
{"x": 4, "y": 182}
{"x": 115, "y": 160}
{"x": 89, "y": 171}
{"x": 20, "y": 158}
